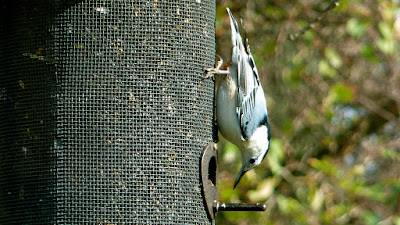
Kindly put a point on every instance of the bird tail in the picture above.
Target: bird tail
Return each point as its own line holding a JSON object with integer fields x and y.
{"x": 236, "y": 38}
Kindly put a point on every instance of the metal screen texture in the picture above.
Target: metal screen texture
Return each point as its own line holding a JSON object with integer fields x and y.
{"x": 103, "y": 110}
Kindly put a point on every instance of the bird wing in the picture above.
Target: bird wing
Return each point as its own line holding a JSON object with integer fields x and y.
{"x": 249, "y": 87}
{"x": 250, "y": 93}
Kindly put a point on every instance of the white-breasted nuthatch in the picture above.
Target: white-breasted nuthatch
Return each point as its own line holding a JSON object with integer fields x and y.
{"x": 241, "y": 106}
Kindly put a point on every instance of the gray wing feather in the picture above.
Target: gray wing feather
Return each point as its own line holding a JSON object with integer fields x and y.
{"x": 249, "y": 87}
{"x": 250, "y": 92}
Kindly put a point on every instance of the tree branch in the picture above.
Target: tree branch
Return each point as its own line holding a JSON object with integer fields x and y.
{"x": 331, "y": 6}
{"x": 371, "y": 105}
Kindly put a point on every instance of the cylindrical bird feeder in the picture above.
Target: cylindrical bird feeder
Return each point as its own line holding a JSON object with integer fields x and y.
{"x": 104, "y": 112}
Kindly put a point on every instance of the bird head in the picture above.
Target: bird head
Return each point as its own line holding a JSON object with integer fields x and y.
{"x": 255, "y": 152}
{"x": 247, "y": 165}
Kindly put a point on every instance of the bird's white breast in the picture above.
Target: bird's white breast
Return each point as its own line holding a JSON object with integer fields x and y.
{"x": 227, "y": 119}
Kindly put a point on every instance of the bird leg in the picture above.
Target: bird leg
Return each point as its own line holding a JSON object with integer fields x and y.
{"x": 216, "y": 71}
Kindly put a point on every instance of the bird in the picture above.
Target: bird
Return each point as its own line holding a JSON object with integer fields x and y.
{"x": 241, "y": 106}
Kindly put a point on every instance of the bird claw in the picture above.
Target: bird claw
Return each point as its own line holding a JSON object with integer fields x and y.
{"x": 210, "y": 72}
{"x": 213, "y": 71}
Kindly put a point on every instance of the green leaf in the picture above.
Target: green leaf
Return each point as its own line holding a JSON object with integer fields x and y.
{"x": 288, "y": 205}
{"x": 396, "y": 220}
{"x": 334, "y": 212}
{"x": 230, "y": 153}
{"x": 269, "y": 47}
{"x": 343, "y": 5}
{"x": 355, "y": 28}
{"x": 391, "y": 154}
{"x": 326, "y": 70}
{"x": 275, "y": 156}
{"x": 339, "y": 93}
{"x": 387, "y": 46}
{"x": 318, "y": 200}
{"x": 275, "y": 12}
{"x": 292, "y": 75}
{"x": 293, "y": 208}
{"x": 309, "y": 35}
{"x": 333, "y": 57}
{"x": 371, "y": 218}
{"x": 342, "y": 93}
{"x": 323, "y": 165}
{"x": 358, "y": 187}
{"x": 264, "y": 190}
{"x": 386, "y": 30}
{"x": 368, "y": 52}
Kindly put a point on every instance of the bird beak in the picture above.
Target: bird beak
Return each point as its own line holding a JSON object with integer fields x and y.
{"x": 240, "y": 175}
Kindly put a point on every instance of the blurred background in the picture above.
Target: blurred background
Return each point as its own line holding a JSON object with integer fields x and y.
{"x": 333, "y": 99}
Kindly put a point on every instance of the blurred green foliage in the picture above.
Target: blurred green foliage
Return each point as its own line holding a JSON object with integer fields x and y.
{"x": 333, "y": 99}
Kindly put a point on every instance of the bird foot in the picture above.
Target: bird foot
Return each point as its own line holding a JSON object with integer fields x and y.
{"x": 216, "y": 71}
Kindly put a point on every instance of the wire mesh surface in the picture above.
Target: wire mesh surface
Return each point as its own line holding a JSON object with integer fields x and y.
{"x": 104, "y": 112}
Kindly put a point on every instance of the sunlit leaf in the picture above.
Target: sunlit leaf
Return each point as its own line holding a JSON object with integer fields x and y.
{"x": 355, "y": 28}
{"x": 371, "y": 218}
{"x": 264, "y": 190}
{"x": 387, "y": 46}
{"x": 288, "y": 205}
{"x": 275, "y": 156}
{"x": 386, "y": 30}
{"x": 292, "y": 207}
{"x": 396, "y": 220}
{"x": 324, "y": 166}
{"x": 333, "y": 57}
{"x": 231, "y": 153}
{"x": 318, "y": 200}
{"x": 339, "y": 93}
{"x": 373, "y": 192}
{"x": 335, "y": 212}
{"x": 343, "y": 4}
{"x": 325, "y": 69}
{"x": 309, "y": 35}
{"x": 342, "y": 93}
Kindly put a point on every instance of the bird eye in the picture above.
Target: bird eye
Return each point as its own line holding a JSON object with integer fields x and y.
{"x": 252, "y": 161}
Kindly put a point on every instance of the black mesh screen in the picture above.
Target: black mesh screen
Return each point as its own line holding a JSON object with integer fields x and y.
{"x": 103, "y": 111}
